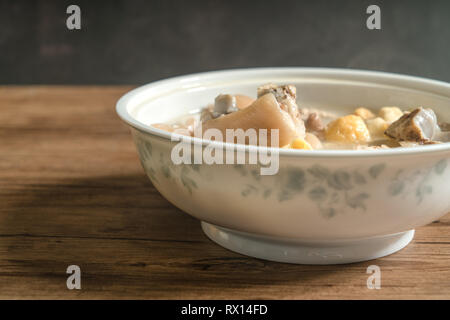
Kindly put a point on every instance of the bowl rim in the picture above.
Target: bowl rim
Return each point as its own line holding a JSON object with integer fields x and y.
{"x": 192, "y": 81}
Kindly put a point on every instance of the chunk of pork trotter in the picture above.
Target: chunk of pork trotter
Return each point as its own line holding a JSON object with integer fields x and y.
{"x": 420, "y": 125}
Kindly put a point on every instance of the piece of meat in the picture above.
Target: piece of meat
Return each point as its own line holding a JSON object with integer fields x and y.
{"x": 224, "y": 104}
{"x": 280, "y": 92}
{"x": 264, "y": 113}
{"x": 420, "y": 125}
{"x": 314, "y": 123}
{"x": 445, "y": 126}
{"x": 286, "y": 96}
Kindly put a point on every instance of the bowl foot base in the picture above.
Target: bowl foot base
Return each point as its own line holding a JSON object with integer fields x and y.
{"x": 301, "y": 252}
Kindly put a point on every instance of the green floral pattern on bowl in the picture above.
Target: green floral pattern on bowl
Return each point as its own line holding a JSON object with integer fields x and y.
{"x": 416, "y": 183}
{"x": 332, "y": 191}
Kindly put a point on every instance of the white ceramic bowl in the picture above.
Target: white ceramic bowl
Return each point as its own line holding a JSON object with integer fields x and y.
{"x": 323, "y": 207}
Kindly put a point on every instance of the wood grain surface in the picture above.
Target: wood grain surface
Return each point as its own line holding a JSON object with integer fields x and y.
{"x": 72, "y": 191}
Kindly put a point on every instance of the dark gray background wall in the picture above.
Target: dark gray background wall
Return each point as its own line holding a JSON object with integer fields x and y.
{"x": 139, "y": 41}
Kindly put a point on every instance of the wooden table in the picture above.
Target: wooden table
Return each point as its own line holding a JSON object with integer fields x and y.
{"x": 72, "y": 191}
